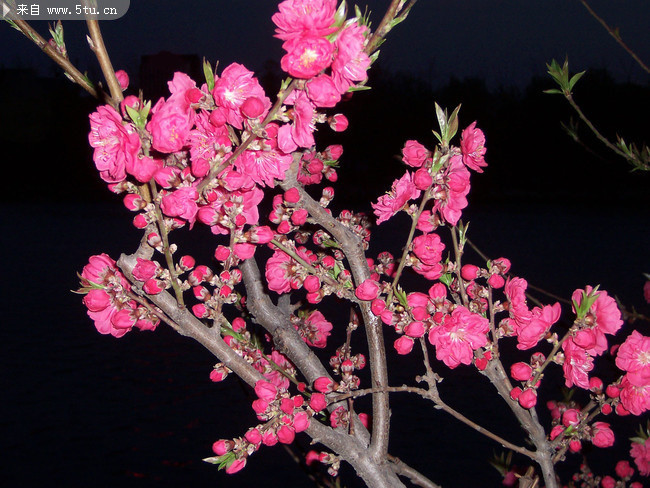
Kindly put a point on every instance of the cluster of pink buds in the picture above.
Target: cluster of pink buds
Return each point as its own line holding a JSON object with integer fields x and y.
{"x": 109, "y": 300}
{"x": 332, "y": 462}
{"x": 223, "y": 290}
{"x": 442, "y": 175}
{"x": 571, "y": 427}
{"x": 283, "y": 416}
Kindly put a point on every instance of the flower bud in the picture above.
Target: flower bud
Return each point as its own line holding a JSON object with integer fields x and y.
{"x": 521, "y": 371}
{"x": 469, "y": 272}
{"x": 403, "y": 345}
{"x": 338, "y": 122}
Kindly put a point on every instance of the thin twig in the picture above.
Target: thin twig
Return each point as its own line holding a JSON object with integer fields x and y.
{"x": 76, "y": 75}
{"x": 617, "y": 37}
{"x": 104, "y": 60}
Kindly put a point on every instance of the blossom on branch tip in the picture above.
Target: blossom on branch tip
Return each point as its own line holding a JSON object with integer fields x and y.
{"x": 472, "y": 146}
{"x": 415, "y": 154}
{"x": 392, "y": 202}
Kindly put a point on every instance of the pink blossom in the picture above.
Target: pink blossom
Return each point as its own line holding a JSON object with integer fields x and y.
{"x": 415, "y": 154}
{"x": 635, "y": 398}
{"x": 222, "y": 446}
{"x": 115, "y": 143}
{"x": 453, "y": 192}
{"x": 286, "y": 434}
{"x": 217, "y": 375}
{"x": 634, "y": 356}
{"x": 265, "y": 390}
{"x": 205, "y": 140}
{"x": 144, "y": 269}
{"x": 301, "y": 421}
{"x": 351, "y": 63}
{"x": 322, "y": 91}
{"x": 472, "y": 146}
{"x": 282, "y": 272}
{"x": 269, "y": 438}
{"x": 236, "y": 85}
{"x": 460, "y": 334}
{"x": 414, "y": 329}
{"x": 577, "y": 364}
{"x": 608, "y": 482}
{"x": 496, "y": 281}
{"x": 181, "y": 203}
{"x": 306, "y": 56}
{"x": 264, "y": 166}
{"x": 602, "y": 435}
{"x": 539, "y": 322}
{"x": 143, "y": 168}
{"x": 315, "y": 329}
{"x": 640, "y": 452}
{"x": 170, "y": 123}
{"x": 607, "y": 321}
{"x": 428, "y": 249}
{"x": 298, "y": 17}
{"x": 624, "y": 470}
{"x": 302, "y": 129}
{"x": 392, "y": 202}
{"x": 368, "y": 290}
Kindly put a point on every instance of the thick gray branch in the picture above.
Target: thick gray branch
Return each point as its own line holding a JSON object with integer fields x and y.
{"x": 351, "y": 246}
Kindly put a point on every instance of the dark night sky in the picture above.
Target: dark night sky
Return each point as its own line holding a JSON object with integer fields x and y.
{"x": 502, "y": 41}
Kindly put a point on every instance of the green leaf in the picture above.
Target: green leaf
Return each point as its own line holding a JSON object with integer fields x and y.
{"x": 441, "y": 115}
{"x": 135, "y": 116}
{"x": 341, "y": 14}
{"x": 357, "y": 88}
{"x": 208, "y": 73}
{"x": 223, "y": 461}
{"x": 553, "y": 91}
{"x": 401, "y": 296}
{"x": 446, "y": 278}
{"x": 587, "y": 301}
{"x": 574, "y": 79}
{"x": 453, "y": 123}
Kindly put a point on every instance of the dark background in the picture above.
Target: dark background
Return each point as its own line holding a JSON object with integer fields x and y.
{"x": 81, "y": 409}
